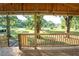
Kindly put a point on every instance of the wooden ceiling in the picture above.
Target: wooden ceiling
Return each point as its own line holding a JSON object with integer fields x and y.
{"x": 42, "y": 8}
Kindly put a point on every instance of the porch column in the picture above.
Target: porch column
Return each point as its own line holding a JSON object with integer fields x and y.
{"x": 8, "y": 28}
{"x": 35, "y": 41}
{"x": 37, "y": 27}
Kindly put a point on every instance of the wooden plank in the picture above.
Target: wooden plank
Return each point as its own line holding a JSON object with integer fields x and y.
{"x": 19, "y": 40}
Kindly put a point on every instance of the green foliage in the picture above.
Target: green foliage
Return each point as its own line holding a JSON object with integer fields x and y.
{"x": 2, "y": 21}
{"x": 29, "y": 23}
{"x": 63, "y": 23}
{"x": 75, "y": 23}
{"x": 47, "y": 24}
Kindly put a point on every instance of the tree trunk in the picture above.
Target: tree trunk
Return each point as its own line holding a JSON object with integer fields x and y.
{"x": 38, "y": 25}
{"x": 37, "y": 28}
{"x": 8, "y": 28}
{"x": 67, "y": 20}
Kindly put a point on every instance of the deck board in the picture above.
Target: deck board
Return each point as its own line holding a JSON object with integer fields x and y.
{"x": 14, "y": 51}
{"x": 9, "y": 51}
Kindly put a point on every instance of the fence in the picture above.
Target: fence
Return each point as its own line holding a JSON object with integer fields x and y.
{"x": 3, "y": 41}
{"x": 28, "y": 40}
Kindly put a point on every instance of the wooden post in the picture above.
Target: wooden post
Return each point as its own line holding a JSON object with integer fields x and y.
{"x": 8, "y": 28}
{"x": 19, "y": 40}
{"x": 35, "y": 19}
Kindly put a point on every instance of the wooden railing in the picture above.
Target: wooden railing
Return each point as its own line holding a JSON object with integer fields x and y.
{"x": 3, "y": 41}
{"x": 28, "y": 40}
{"x": 24, "y": 40}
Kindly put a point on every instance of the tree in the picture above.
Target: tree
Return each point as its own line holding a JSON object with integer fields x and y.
{"x": 38, "y": 19}
{"x": 63, "y": 23}
{"x": 75, "y": 23}
{"x": 3, "y": 20}
{"x": 29, "y": 22}
{"x": 67, "y": 22}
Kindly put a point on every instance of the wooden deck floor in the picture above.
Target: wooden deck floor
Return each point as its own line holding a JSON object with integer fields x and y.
{"x": 9, "y": 51}
{"x": 14, "y": 51}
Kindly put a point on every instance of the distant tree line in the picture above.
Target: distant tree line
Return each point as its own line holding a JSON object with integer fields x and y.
{"x": 29, "y": 22}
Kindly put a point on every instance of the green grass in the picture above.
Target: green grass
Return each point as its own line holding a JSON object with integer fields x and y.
{"x": 54, "y": 42}
{"x": 16, "y": 31}
{"x": 31, "y": 41}
{"x": 46, "y": 42}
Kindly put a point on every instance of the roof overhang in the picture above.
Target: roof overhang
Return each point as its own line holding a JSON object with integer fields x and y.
{"x": 41, "y": 8}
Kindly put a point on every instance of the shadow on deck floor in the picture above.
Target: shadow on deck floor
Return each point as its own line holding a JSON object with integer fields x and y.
{"x": 51, "y": 53}
{"x": 14, "y": 51}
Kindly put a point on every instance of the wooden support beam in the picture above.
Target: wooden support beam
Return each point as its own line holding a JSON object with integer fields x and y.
{"x": 8, "y": 28}
{"x": 19, "y": 40}
{"x": 70, "y": 13}
{"x": 35, "y": 19}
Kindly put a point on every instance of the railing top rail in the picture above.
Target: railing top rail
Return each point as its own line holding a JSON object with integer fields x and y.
{"x": 26, "y": 34}
{"x": 46, "y": 34}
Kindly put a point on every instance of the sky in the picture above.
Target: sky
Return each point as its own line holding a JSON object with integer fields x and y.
{"x": 21, "y": 17}
{"x": 54, "y": 19}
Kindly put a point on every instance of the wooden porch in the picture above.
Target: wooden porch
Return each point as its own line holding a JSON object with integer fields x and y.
{"x": 47, "y": 43}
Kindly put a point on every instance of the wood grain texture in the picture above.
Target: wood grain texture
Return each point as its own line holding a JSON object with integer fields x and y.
{"x": 51, "y": 8}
